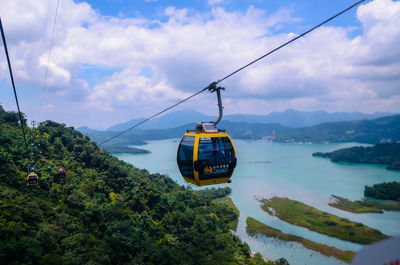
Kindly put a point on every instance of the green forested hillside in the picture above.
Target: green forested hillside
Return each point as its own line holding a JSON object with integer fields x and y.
{"x": 386, "y": 154}
{"x": 384, "y": 191}
{"x": 361, "y": 131}
{"x": 106, "y": 211}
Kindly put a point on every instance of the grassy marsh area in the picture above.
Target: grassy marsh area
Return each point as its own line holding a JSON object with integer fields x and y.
{"x": 228, "y": 202}
{"x": 298, "y": 213}
{"x": 363, "y": 206}
{"x": 255, "y": 227}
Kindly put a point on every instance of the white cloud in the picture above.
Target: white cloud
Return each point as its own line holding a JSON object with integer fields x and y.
{"x": 326, "y": 70}
{"x": 128, "y": 90}
{"x": 49, "y": 107}
{"x": 327, "y": 65}
{"x": 380, "y": 41}
{"x": 216, "y": 2}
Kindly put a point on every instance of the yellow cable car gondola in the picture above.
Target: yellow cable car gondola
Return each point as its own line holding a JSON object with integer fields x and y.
{"x": 32, "y": 179}
{"x": 206, "y": 155}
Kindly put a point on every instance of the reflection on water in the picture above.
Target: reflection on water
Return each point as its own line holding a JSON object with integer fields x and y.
{"x": 267, "y": 169}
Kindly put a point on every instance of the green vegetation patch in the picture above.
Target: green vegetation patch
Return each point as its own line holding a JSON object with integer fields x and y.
{"x": 385, "y": 191}
{"x": 255, "y": 227}
{"x": 298, "y": 213}
{"x": 360, "y": 131}
{"x": 234, "y": 216}
{"x": 385, "y": 154}
{"x": 363, "y": 206}
{"x": 106, "y": 211}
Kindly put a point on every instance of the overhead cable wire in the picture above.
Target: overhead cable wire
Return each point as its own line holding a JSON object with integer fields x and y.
{"x": 155, "y": 115}
{"x": 238, "y": 70}
{"x": 292, "y": 40}
{"x": 13, "y": 84}
{"x": 48, "y": 61}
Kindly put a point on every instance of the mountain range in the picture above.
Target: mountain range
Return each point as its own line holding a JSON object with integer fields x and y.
{"x": 363, "y": 131}
{"x": 288, "y": 118}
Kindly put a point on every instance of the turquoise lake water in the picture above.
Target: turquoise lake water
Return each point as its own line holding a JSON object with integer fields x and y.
{"x": 268, "y": 169}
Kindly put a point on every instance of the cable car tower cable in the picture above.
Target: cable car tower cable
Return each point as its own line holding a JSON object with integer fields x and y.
{"x": 238, "y": 70}
{"x": 155, "y": 115}
{"x": 48, "y": 61}
{"x": 13, "y": 84}
{"x": 292, "y": 40}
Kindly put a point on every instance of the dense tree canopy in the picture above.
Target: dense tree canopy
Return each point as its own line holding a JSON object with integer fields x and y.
{"x": 106, "y": 211}
{"x": 385, "y": 191}
{"x": 386, "y": 154}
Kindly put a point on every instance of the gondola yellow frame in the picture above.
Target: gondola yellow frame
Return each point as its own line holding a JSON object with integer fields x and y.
{"x": 196, "y": 180}
{"x": 27, "y": 179}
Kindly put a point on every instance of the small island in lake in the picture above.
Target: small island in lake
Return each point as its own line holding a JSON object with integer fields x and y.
{"x": 363, "y": 206}
{"x": 385, "y": 154}
{"x": 255, "y": 227}
{"x": 384, "y": 191}
{"x": 298, "y": 213}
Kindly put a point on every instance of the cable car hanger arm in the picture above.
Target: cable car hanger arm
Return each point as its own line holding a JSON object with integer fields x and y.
{"x": 213, "y": 88}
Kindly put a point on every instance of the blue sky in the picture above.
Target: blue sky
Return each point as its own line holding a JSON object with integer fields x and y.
{"x": 311, "y": 12}
{"x": 113, "y": 61}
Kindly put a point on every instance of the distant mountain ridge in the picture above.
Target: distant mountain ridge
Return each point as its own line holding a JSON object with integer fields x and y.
{"x": 385, "y": 129}
{"x": 288, "y": 118}
{"x": 362, "y": 131}
{"x": 298, "y": 119}
{"x": 169, "y": 120}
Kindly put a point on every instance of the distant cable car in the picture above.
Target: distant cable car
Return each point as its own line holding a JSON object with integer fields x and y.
{"x": 49, "y": 169}
{"x": 32, "y": 178}
{"x": 61, "y": 174}
{"x": 206, "y": 155}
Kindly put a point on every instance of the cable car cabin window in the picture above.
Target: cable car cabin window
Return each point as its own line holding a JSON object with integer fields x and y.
{"x": 216, "y": 158}
{"x": 61, "y": 174}
{"x": 32, "y": 179}
{"x": 185, "y": 156}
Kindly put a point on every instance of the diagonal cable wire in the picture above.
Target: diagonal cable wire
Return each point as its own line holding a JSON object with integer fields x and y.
{"x": 13, "y": 84}
{"x": 155, "y": 115}
{"x": 292, "y": 40}
{"x": 238, "y": 70}
{"x": 48, "y": 61}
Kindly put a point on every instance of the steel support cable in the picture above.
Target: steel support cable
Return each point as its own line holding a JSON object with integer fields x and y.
{"x": 13, "y": 84}
{"x": 213, "y": 85}
{"x": 155, "y": 115}
{"x": 48, "y": 61}
{"x": 292, "y": 40}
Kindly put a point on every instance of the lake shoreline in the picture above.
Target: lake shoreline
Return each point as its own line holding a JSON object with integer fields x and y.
{"x": 300, "y": 214}
{"x": 363, "y": 206}
{"x": 290, "y": 170}
{"x": 255, "y": 227}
